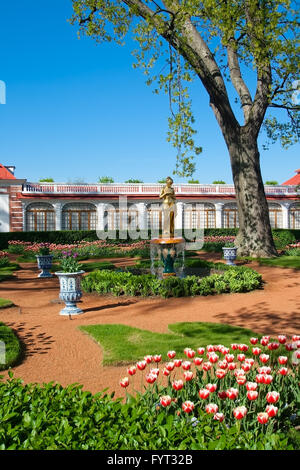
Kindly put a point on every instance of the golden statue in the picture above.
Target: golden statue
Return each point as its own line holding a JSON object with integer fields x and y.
{"x": 169, "y": 208}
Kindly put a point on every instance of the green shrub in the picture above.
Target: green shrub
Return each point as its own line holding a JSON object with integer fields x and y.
{"x": 292, "y": 252}
{"x": 12, "y": 347}
{"x": 282, "y": 238}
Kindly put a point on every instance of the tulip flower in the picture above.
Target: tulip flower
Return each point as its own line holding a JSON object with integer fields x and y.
{"x": 131, "y": 370}
{"x": 213, "y": 358}
{"x": 289, "y": 346}
{"x": 281, "y": 339}
{"x": 204, "y": 393}
{"x": 206, "y": 366}
{"x": 295, "y": 338}
{"x": 263, "y": 418}
{"x": 259, "y": 378}
{"x": 251, "y": 386}
{"x": 231, "y": 366}
{"x": 241, "y": 357}
{"x": 177, "y": 384}
{"x": 220, "y": 373}
{"x": 190, "y": 354}
{"x": 271, "y": 410}
{"x": 267, "y": 379}
{"x": 282, "y": 360}
{"x": 239, "y": 372}
{"x": 225, "y": 350}
{"x": 201, "y": 351}
{"x": 186, "y": 365}
{"x": 188, "y": 406}
{"x": 166, "y": 400}
{"x": 188, "y": 375}
{"x": 223, "y": 364}
{"x": 264, "y": 358}
{"x": 249, "y": 360}
{"x": 272, "y": 397}
{"x": 157, "y": 358}
{"x": 243, "y": 347}
{"x": 198, "y": 361}
{"x": 229, "y": 357}
{"x": 282, "y": 371}
{"x": 246, "y": 366}
{"x": 241, "y": 379}
{"x": 166, "y": 372}
{"x": 222, "y": 394}
{"x": 256, "y": 351}
{"x": 240, "y": 412}
{"x": 170, "y": 366}
{"x": 148, "y": 359}
{"x": 211, "y": 408}
{"x": 211, "y": 387}
{"x": 264, "y": 370}
{"x": 253, "y": 340}
{"x": 171, "y": 354}
{"x": 124, "y": 382}
{"x": 150, "y": 378}
{"x": 234, "y": 346}
{"x": 177, "y": 362}
{"x": 154, "y": 371}
{"x": 232, "y": 393}
{"x": 210, "y": 348}
{"x": 141, "y": 365}
{"x": 186, "y": 351}
{"x": 219, "y": 417}
{"x": 273, "y": 346}
{"x": 252, "y": 395}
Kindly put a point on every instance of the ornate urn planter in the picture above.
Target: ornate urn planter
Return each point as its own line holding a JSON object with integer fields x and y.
{"x": 44, "y": 263}
{"x": 70, "y": 291}
{"x": 229, "y": 254}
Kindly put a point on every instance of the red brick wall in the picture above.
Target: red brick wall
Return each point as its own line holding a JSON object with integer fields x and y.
{"x": 15, "y": 209}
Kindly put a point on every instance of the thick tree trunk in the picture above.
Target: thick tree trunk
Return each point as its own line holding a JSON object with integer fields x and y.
{"x": 255, "y": 235}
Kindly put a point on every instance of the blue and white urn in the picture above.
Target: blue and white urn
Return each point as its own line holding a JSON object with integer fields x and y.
{"x": 44, "y": 263}
{"x": 229, "y": 254}
{"x": 70, "y": 292}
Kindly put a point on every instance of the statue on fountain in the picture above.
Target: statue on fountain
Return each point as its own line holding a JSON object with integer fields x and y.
{"x": 168, "y": 208}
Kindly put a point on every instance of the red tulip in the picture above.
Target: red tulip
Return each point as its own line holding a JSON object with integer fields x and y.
{"x": 281, "y": 339}
{"x": 177, "y": 384}
{"x": 198, "y": 361}
{"x": 170, "y": 366}
{"x": 188, "y": 375}
{"x": 225, "y": 350}
{"x": 124, "y": 382}
{"x": 246, "y": 366}
{"x": 295, "y": 338}
{"x": 166, "y": 372}
{"x": 241, "y": 379}
{"x": 282, "y": 360}
{"x": 219, "y": 417}
{"x": 263, "y": 418}
{"x": 249, "y": 360}
{"x": 232, "y": 393}
{"x": 188, "y": 406}
{"x": 220, "y": 373}
{"x": 171, "y": 354}
{"x": 206, "y": 366}
{"x": 201, "y": 351}
{"x": 148, "y": 359}
{"x": 186, "y": 350}
{"x": 267, "y": 379}
{"x": 210, "y": 348}
{"x": 282, "y": 371}
{"x": 252, "y": 395}
{"x": 166, "y": 400}
{"x": 259, "y": 378}
{"x": 241, "y": 357}
{"x": 240, "y": 412}
{"x": 273, "y": 346}
{"x": 211, "y": 408}
{"x": 234, "y": 346}
{"x": 141, "y": 365}
{"x": 289, "y": 346}
{"x": 190, "y": 354}
{"x": 271, "y": 410}
{"x": 223, "y": 364}
{"x": 229, "y": 357}
{"x": 186, "y": 365}
{"x": 131, "y": 370}
{"x": 157, "y": 358}
{"x": 253, "y": 340}
{"x": 222, "y": 394}
{"x": 264, "y": 370}
{"x": 251, "y": 386}
{"x": 264, "y": 358}
{"x": 150, "y": 378}
{"x": 213, "y": 358}
{"x": 272, "y": 397}
{"x": 256, "y": 351}
{"x": 243, "y": 347}
{"x": 239, "y": 372}
{"x": 154, "y": 371}
{"x": 231, "y": 366}
{"x": 211, "y": 387}
{"x": 204, "y": 393}
{"x": 264, "y": 341}
{"x": 177, "y": 362}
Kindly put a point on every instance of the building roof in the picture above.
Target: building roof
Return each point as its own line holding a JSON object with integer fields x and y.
{"x": 5, "y": 174}
{"x": 295, "y": 180}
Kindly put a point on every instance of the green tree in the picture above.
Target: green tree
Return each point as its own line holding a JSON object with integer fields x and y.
{"x": 132, "y": 180}
{"x": 46, "y": 180}
{"x": 219, "y": 42}
{"x": 106, "y": 179}
{"x": 218, "y": 182}
{"x": 271, "y": 183}
{"x": 192, "y": 181}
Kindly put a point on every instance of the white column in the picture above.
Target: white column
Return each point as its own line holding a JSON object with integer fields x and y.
{"x": 100, "y": 215}
{"x": 142, "y": 216}
{"x": 179, "y": 216}
{"x": 58, "y": 215}
{"x": 24, "y": 206}
{"x": 285, "y": 214}
{"x": 219, "y": 211}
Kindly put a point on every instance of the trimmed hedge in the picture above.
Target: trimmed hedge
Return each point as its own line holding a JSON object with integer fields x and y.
{"x": 236, "y": 279}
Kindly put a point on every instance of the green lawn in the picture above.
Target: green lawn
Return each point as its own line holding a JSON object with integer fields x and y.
{"x": 123, "y": 344}
{"x": 6, "y": 272}
{"x": 12, "y": 347}
{"x": 282, "y": 262}
{"x": 5, "y": 303}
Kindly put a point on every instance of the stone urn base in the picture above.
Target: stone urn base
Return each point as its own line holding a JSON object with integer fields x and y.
{"x": 44, "y": 263}
{"x": 70, "y": 292}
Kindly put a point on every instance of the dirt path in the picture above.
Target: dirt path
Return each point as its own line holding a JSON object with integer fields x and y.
{"x": 57, "y": 351}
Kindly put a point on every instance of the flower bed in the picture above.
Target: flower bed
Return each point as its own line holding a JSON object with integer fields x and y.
{"x": 252, "y": 386}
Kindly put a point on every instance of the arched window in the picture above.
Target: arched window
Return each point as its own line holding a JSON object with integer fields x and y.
{"x": 201, "y": 215}
{"x": 294, "y": 216}
{"x": 230, "y": 216}
{"x": 154, "y": 217}
{"x": 275, "y": 214}
{"x": 79, "y": 216}
{"x": 40, "y": 216}
{"x": 122, "y": 219}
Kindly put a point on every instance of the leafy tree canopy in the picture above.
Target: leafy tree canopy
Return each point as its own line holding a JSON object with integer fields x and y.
{"x": 106, "y": 179}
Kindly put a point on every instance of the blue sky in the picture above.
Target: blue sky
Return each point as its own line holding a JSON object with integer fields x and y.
{"x": 75, "y": 109}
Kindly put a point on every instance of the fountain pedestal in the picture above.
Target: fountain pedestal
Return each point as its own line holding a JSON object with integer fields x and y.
{"x": 169, "y": 251}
